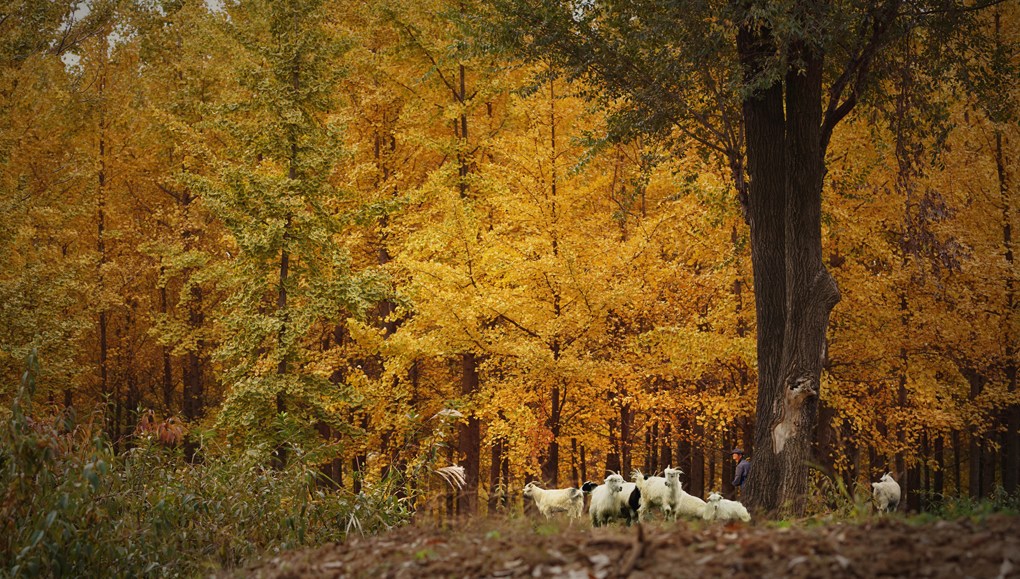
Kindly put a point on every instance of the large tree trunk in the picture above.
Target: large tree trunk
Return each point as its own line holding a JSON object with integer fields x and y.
{"x": 786, "y": 193}
{"x": 766, "y": 135}
{"x": 1011, "y": 442}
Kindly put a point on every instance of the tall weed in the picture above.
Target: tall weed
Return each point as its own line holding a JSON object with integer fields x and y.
{"x": 70, "y": 506}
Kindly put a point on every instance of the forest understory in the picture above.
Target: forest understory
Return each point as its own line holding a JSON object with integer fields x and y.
{"x": 889, "y": 547}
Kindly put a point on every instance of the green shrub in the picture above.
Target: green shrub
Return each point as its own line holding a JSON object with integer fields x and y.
{"x": 70, "y": 506}
{"x": 953, "y": 507}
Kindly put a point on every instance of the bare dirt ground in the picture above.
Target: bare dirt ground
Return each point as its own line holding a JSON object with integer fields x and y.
{"x": 532, "y": 548}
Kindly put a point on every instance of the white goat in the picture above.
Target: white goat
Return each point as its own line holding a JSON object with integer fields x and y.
{"x": 886, "y": 493}
{"x": 549, "y": 502}
{"x": 720, "y": 509}
{"x": 659, "y": 491}
{"x": 613, "y": 500}
{"x": 688, "y": 505}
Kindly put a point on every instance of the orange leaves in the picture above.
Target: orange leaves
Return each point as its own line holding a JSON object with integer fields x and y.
{"x": 169, "y": 432}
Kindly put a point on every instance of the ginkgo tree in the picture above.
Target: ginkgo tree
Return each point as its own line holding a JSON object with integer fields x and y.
{"x": 274, "y": 191}
{"x": 782, "y": 77}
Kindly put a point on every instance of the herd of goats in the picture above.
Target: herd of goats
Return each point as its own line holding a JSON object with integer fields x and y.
{"x": 617, "y": 500}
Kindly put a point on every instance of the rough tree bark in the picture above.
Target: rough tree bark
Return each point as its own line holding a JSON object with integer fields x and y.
{"x": 1011, "y": 454}
{"x": 786, "y": 165}
{"x": 469, "y": 439}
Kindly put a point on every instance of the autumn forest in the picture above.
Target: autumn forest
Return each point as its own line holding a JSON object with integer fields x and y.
{"x": 359, "y": 242}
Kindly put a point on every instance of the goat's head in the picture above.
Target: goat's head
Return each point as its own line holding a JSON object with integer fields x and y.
{"x": 672, "y": 477}
{"x": 615, "y": 483}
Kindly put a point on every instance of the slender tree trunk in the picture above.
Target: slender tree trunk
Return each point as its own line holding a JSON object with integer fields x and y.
{"x": 665, "y": 448}
{"x": 626, "y": 440}
{"x": 873, "y": 465}
{"x": 729, "y": 468}
{"x": 575, "y": 475}
{"x": 613, "y": 461}
{"x": 193, "y": 387}
{"x": 977, "y": 480}
{"x": 584, "y": 465}
{"x": 939, "y": 476}
{"x": 711, "y": 481}
{"x": 469, "y": 439}
{"x": 497, "y": 490}
{"x": 649, "y": 463}
{"x": 989, "y": 459}
{"x": 462, "y": 163}
{"x": 282, "y": 365}
{"x": 104, "y": 387}
{"x": 451, "y": 498}
{"x": 908, "y": 488}
{"x": 168, "y": 376}
{"x": 924, "y": 475}
{"x": 550, "y": 469}
{"x": 551, "y": 464}
{"x": 957, "y": 466}
{"x": 854, "y": 451}
{"x": 698, "y": 462}
{"x": 826, "y": 437}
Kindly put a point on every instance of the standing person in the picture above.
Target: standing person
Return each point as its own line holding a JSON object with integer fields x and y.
{"x": 743, "y": 469}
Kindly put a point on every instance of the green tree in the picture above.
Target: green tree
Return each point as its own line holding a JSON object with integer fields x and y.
{"x": 275, "y": 194}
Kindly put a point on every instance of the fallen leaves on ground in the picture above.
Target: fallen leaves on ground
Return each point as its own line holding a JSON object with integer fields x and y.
{"x": 530, "y": 548}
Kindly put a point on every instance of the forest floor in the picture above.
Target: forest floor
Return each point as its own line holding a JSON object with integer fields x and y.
{"x": 889, "y": 547}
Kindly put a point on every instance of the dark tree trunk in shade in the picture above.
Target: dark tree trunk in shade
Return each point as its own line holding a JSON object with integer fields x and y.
{"x": 825, "y": 453}
{"x": 451, "y": 495}
{"x": 1011, "y": 436}
{"x": 854, "y": 454}
{"x": 683, "y": 459}
{"x": 925, "y": 483}
{"x": 938, "y": 477}
{"x": 649, "y": 462}
{"x": 168, "y": 374}
{"x": 104, "y": 348}
{"x": 957, "y": 464}
{"x": 794, "y": 292}
{"x": 626, "y": 440}
{"x": 698, "y": 462}
{"x": 977, "y": 481}
{"x": 551, "y": 461}
{"x": 469, "y": 439}
{"x": 711, "y": 484}
{"x": 613, "y": 464}
{"x": 665, "y": 448}
{"x": 974, "y": 463}
{"x": 989, "y": 459}
{"x": 497, "y": 484}
{"x": 584, "y": 465}
{"x": 729, "y": 468}
{"x": 575, "y": 474}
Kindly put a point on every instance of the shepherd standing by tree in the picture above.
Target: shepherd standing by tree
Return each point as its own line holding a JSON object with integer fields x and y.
{"x": 743, "y": 469}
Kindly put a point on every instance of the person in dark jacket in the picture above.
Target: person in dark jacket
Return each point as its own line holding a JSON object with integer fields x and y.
{"x": 743, "y": 469}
